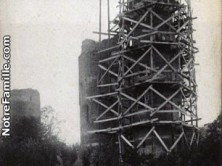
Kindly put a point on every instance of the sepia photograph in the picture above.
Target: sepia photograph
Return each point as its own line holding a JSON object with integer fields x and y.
{"x": 110, "y": 83}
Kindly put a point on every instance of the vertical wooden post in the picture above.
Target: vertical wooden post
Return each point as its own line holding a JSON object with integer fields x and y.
{"x": 121, "y": 72}
{"x": 100, "y": 20}
{"x": 108, "y": 9}
{"x": 151, "y": 39}
{"x": 125, "y": 80}
{"x": 100, "y": 29}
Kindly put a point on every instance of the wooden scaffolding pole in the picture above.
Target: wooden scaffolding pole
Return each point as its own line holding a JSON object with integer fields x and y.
{"x": 149, "y": 46}
{"x": 100, "y": 21}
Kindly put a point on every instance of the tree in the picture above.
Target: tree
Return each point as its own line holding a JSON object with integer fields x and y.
{"x": 50, "y": 121}
{"x": 34, "y": 143}
{"x": 206, "y": 154}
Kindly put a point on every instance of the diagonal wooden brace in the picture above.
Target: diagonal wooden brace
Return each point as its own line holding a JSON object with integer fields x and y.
{"x": 177, "y": 141}
{"x": 137, "y": 24}
{"x": 161, "y": 141}
{"x": 108, "y": 70}
{"x": 154, "y": 13}
{"x": 139, "y": 102}
{"x": 179, "y": 74}
{"x": 144, "y": 139}
{"x": 140, "y": 64}
{"x": 105, "y": 106}
{"x": 105, "y": 69}
{"x": 107, "y": 110}
{"x": 171, "y": 61}
{"x": 135, "y": 102}
{"x": 181, "y": 110}
{"x": 127, "y": 141}
{"x": 135, "y": 63}
{"x": 165, "y": 102}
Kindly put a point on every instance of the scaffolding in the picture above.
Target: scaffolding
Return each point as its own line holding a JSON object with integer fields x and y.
{"x": 147, "y": 85}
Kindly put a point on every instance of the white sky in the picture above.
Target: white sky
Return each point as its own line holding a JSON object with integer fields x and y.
{"x": 46, "y": 43}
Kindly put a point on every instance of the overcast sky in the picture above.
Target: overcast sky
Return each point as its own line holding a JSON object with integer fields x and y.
{"x": 46, "y": 42}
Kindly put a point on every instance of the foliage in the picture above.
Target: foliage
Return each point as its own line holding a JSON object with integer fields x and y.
{"x": 49, "y": 120}
{"x": 102, "y": 155}
{"x": 206, "y": 154}
{"x": 32, "y": 144}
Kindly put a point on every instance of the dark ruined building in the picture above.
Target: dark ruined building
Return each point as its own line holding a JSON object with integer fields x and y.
{"x": 138, "y": 87}
{"x": 25, "y": 102}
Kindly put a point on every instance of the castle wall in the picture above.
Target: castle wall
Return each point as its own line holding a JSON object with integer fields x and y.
{"x": 25, "y": 102}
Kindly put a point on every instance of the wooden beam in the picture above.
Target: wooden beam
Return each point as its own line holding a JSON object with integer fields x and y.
{"x": 183, "y": 26}
{"x": 164, "y": 3}
{"x": 103, "y": 33}
{"x": 161, "y": 141}
{"x": 188, "y": 89}
{"x": 140, "y": 64}
{"x": 146, "y": 136}
{"x": 145, "y": 35}
{"x": 102, "y": 95}
{"x": 171, "y": 61}
{"x": 185, "y": 137}
{"x": 165, "y": 102}
{"x": 182, "y": 111}
{"x": 108, "y": 70}
{"x": 122, "y": 117}
{"x": 169, "y": 64}
{"x": 107, "y": 85}
{"x": 105, "y": 69}
{"x": 198, "y": 138}
{"x": 130, "y": 50}
{"x": 127, "y": 141}
{"x": 156, "y": 42}
{"x": 109, "y": 58}
{"x": 108, "y": 49}
{"x": 193, "y": 120}
{"x": 177, "y": 141}
{"x": 139, "y": 9}
{"x": 168, "y": 111}
{"x": 140, "y": 123}
{"x": 137, "y": 113}
{"x": 138, "y": 73}
{"x": 165, "y": 22}
{"x": 160, "y": 32}
{"x": 107, "y": 110}
{"x": 135, "y": 102}
{"x": 138, "y": 23}
{"x": 193, "y": 136}
{"x": 105, "y": 106}
{"x": 135, "y": 63}
{"x": 106, "y": 120}
{"x": 115, "y": 129}
{"x": 111, "y": 29}
{"x": 131, "y": 98}
{"x": 108, "y": 15}
{"x": 154, "y": 13}
{"x": 100, "y": 21}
